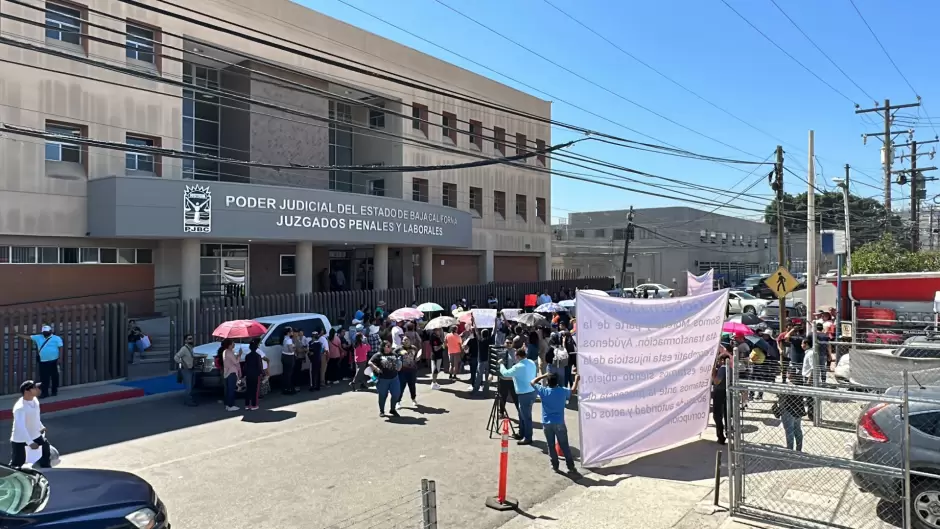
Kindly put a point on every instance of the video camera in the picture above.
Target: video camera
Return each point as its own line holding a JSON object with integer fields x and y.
{"x": 497, "y": 353}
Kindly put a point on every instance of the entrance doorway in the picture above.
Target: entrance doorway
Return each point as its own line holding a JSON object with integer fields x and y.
{"x": 223, "y": 270}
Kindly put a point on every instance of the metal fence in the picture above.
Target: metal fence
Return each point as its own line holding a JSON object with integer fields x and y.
{"x": 93, "y": 338}
{"x": 201, "y": 316}
{"x": 412, "y": 510}
{"x": 826, "y": 452}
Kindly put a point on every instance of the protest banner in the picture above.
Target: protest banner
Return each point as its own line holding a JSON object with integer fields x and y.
{"x": 702, "y": 284}
{"x": 645, "y": 368}
{"x": 484, "y": 318}
{"x": 511, "y": 314}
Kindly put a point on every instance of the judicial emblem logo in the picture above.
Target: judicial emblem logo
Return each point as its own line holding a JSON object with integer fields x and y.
{"x": 197, "y": 209}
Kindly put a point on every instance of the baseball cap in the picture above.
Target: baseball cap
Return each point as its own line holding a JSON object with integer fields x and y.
{"x": 28, "y": 385}
{"x": 767, "y": 332}
{"x": 46, "y": 328}
{"x": 359, "y": 327}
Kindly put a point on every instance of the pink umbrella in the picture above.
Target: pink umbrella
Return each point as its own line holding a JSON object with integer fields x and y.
{"x": 733, "y": 327}
{"x": 239, "y": 329}
{"x": 465, "y": 317}
{"x": 406, "y": 313}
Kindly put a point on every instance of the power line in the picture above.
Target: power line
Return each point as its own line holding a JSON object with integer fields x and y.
{"x": 785, "y": 52}
{"x": 820, "y": 50}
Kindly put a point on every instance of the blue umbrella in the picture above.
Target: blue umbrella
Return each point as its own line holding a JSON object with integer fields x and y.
{"x": 550, "y": 307}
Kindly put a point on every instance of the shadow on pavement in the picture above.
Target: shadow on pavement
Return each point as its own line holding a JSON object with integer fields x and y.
{"x": 407, "y": 420}
{"x": 268, "y": 416}
{"x": 428, "y": 410}
{"x": 694, "y": 461}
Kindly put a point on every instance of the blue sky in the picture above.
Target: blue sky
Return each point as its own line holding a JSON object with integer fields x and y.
{"x": 707, "y": 48}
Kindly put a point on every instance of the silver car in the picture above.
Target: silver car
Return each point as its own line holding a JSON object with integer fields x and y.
{"x": 878, "y": 441}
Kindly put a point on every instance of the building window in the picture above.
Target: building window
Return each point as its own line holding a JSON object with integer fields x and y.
{"x": 600, "y": 233}
{"x": 4, "y": 255}
{"x": 521, "y": 144}
{"x": 139, "y": 161}
{"x": 540, "y": 208}
{"x": 68, "y": 255}
{"x": 48, "y": 254}
{"x": 140, "y": 44}
{"x": 703, "y": 236}
{"x": 521, "y": 210}
{"x": 620, "y": 234}
{"x": 89, "y": 255}
{"x": 578, "y": 234}
{"x": 60, "y": 149}
{"x": 23, "y": 255}
{"x": 476, "y": 200}
{"x": 724, "y": 238}
{"x": 765, "y": 243}
{"x": 63, "y": 24}
{"x": 713, "y": 236}
{"x": 107, "y": 255}
{"x": 499, "y": 204}
{"x": 377, "y": 117}
{"x": 288, "y": 262}
{"x": 449, "y": 126}
{"x": 499, "y": 140}
{"x": 476, "y": 134}
{"x": 419, "y": 189}
{"x": 449, "y": 195}
{"x": 420, "y": 115}
{"x": 341, "y": 146}
{"x": 144, "y": 256}
{"x": 540, "y": 146}
{"x": 201, "y": 121}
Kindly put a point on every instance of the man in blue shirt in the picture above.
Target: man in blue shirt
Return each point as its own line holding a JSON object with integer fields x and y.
{"x": 522, "y": 374}
{"x": 554, "y": 400}
{"x": 49, "y": 348}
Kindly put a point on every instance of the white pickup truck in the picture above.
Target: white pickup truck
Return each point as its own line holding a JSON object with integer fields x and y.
{"x": 208, "y": 375}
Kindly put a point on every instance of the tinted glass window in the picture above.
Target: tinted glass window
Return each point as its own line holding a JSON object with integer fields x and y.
{"x": 17, "y": 490}
{"x": 915, "y": 352}
{"x": 276, "y": 337}
{"x": 928, "y": 423}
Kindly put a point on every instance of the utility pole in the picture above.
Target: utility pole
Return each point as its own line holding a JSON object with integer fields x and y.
{"x": 626, "y": 249}
{"x": 918, "y": 185}
{"x": 777, "y": 186}
{"x": 888, "y": 136}
{"x": 811, "y": 227}
{"x": 848, "y": 232}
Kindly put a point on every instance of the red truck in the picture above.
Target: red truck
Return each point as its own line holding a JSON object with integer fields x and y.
{"x": 890, "y": 308}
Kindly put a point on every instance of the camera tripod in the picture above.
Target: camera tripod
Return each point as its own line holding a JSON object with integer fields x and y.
{"x": 494, "y": 423}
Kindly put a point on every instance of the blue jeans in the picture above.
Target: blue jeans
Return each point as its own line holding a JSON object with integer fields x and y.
{"x": 231, "y": 382}
{"x": 793, "y": 428}
{"x": 189, "y": 377}
{"x": 560, "y": 371}
{"x": 479, "y": 382}
{"x": 558, "y": 432}
{"x": 525, "y": 402}
{"x": 133, "y": 347}
{"x": 386, "y": 386}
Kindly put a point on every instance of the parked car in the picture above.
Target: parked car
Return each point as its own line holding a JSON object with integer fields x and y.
{"x": 770, "y": 314}
{"x": 207, "y": 373}
{"x": 740, "y": 302}
{"x": 751, "y": 281}
{"x": 882, "y": 367}
{"x": 80, "y": 498}
{"x": 656, "y": 290}
{"x": 878, "y": 441}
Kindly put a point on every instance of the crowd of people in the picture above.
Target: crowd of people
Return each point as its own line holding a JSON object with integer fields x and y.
{"x": 788, "y": 356}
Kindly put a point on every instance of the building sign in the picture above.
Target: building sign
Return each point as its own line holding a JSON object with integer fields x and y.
{"x": 165, "y": 208}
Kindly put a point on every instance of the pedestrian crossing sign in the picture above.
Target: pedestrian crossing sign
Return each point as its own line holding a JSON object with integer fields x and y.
{"x": 781, "y": 282}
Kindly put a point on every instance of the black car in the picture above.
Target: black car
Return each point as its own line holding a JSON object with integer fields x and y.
{"x": 770, "y": 314}
{"x": 78, "y": 499}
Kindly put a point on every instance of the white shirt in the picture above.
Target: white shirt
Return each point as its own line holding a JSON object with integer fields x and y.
{"x": 324, "y": 344}
{"x": 288, "y": 346}
{"x": 26, "y": 423}
{"x": 397, "y": 335}
{"x": 809, "y": 362}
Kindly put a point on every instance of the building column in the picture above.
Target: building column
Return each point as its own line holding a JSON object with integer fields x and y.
{"x": 190, "y": 250}
{"x": 545, "y": 266}
{"x": 427, "y": 266}
{"x": 487, "y": 266}
{"x": 303, "y": 267}
{"x": 380, "y": 267}
{"x": 407, "y": 268}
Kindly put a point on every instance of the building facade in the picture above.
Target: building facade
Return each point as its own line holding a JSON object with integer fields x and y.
{"x": 667, "y": 242}
{"x": 114, "y": 212}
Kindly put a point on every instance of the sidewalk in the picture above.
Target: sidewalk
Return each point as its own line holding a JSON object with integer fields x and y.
{"x": 670, "y": 489}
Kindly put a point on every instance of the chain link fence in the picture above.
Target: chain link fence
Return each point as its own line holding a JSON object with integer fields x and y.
{"x": 815, "y": 450}
{"x": 413, "y": 510}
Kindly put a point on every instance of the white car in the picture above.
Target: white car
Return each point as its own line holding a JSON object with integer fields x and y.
{"x": 658, "y": 290}
{"x": 740, "y": 302}
{"x": 208, "y": 376}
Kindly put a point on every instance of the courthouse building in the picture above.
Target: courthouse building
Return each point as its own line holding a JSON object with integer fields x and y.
{"x": 120, "y": 216}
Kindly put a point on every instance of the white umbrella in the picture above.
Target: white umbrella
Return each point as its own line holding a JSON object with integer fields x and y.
{"x": 532, "y": 319}
{"x": 440, "y": 322}
{"x": 430, "y": 307}
{"x": 595, "y": 292}
{"x": 550, "y": 307}
{"x": 567, "y": 303}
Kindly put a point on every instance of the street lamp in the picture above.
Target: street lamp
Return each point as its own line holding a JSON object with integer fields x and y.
{"x": 843, "y": 185}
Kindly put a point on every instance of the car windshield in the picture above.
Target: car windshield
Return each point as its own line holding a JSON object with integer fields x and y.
{"x": 744, "y": 295}
{"x": 20, "y": 492}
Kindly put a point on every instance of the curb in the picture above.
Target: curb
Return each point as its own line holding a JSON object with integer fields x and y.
{"x": 101, "y": 403}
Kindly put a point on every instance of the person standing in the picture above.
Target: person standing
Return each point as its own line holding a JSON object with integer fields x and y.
{"x": 231, "y": 372}
{"x": 522, "y": 374}
{"x": 185, "y": 362}
{"x": 554, "y": 401}
{"x": 789, "y": 408}
{"x": 386, "y": 365}
{"x": 334, "y": 358}
{"x": 361, "y": 356}
{"x": 437, "y": 355}
{"x": 479, "y": 347}
{"x": 28, "y": 429}
{"x": 720, "y": 392}
{"x": 253, "y": 371}
{"x": 288, "y": 359}
{"x": 812, "y": 372}
{"x": 454, "y": 352}
{"x": 408, "y": 375}
{"x": 48, "y": 351}
{"x": 567, "y": 341}
{"x": 397, "y": 334}
{"x": 315, "y": 359}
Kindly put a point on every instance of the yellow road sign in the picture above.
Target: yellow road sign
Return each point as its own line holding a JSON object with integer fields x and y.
{"x": 781, "y": 282}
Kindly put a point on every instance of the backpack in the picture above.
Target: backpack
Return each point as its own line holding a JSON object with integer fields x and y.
{"x": 561, "y": 357}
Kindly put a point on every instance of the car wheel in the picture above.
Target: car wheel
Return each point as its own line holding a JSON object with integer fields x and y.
{"x": 925, "y": 503}
{"x": 750, "y": 310}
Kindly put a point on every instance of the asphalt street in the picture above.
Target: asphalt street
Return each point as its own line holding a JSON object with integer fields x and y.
{"x": 322, "y": 460}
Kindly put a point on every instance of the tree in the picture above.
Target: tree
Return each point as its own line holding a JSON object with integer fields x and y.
{"x": 867, "y": 216}
{"x": 887, "y": 255}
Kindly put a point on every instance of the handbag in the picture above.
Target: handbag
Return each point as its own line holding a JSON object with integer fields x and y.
{"x": 39, "y": 352}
